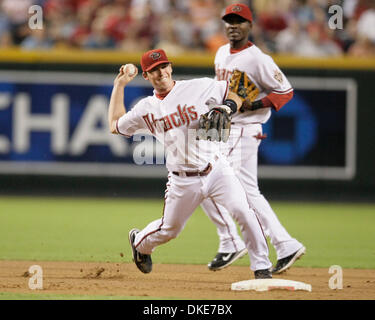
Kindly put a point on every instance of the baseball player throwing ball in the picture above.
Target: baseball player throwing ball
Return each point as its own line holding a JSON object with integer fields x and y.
{"x": 273, "y": 91}
{"x": 197, "y": 169}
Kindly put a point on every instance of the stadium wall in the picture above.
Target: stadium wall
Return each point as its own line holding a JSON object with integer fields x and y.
{"x": 319, "y": 147}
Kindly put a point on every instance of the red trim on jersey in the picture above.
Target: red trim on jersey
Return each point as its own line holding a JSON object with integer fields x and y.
{"x": 235, "y": 145}
{"x": 226, "y": 224}
{"x": 277, "y": 100}
{"x": 260, "y": 136}
{"x": 152, "y": 232}
{"x": 161, "y": 96}
{"x": 256, "y": 213}
{"x": 162, "y": 219}
{"x": 267, "y": 103}
{"x": 247, "y": 45}
{"x": 284, "y": 91}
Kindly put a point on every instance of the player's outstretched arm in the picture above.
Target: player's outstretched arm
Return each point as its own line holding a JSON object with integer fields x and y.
{"x": 116, "y": 104}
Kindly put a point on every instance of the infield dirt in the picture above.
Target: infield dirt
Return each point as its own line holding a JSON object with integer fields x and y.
{"x": 177, "y": 281}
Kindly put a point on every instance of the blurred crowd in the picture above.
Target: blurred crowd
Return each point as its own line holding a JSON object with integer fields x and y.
{"x": 298, "y": 27}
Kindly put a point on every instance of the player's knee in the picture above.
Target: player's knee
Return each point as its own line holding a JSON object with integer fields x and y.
{"x": 172, "y": 235}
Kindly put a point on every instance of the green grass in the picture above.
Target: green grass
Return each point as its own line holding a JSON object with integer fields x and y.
{"x": 74, "y": 229}
{"x": 90, "y": 230}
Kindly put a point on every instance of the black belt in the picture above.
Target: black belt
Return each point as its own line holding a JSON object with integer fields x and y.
{"x": 204, "y": 172}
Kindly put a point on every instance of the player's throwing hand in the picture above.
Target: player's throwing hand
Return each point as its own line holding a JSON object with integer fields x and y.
{"x": 126, "y": 74}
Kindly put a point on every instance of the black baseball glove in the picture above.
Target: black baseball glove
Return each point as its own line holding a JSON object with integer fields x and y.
{"x": 215, "y": 124}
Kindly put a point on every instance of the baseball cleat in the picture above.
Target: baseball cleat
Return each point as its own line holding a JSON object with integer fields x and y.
{"x": 142, "y": 261}
{"x": 285, "y": 263}
{"x": 223, "y": 260}
{"x": 263, "y": 274}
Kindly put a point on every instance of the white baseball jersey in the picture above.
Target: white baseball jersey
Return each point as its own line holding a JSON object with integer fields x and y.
{"x": 261, "y": 69}
{"x": 174, "y": 121}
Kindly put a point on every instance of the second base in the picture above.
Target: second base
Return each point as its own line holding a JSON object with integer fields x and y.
{"x": 270, "y": 284}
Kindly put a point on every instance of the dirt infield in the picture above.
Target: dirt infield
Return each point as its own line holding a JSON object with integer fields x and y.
{"x": 176, "y": 281}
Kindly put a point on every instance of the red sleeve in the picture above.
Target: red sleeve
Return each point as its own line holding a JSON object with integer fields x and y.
{"x": 277, "y": 100}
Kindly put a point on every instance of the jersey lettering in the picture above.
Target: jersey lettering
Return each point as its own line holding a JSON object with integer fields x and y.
{"x": 183, "y": 115}
{"x": 167, "y": 124}
{"x": 193, "y": 114}
{"x": 173, "y": 115}
{"x": 149, "y": 122}
{"x": 173, "y": 120}
{"x": 223, "y": 74}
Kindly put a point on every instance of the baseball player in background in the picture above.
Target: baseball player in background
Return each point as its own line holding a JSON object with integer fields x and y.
{"x": 246, "y": 135}
{"x": 197, "y": 168}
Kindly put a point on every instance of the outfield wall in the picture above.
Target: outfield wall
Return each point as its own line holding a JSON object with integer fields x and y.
{"x": 54, "y": 140}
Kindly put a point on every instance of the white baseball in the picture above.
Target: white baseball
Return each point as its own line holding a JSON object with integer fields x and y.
{"x": 131, "y": 69}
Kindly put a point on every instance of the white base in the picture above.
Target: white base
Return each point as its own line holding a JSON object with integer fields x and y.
{"x": 270, "y": 284}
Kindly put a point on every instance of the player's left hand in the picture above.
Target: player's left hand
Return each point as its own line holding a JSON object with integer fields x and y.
{"x": 241, "y": 85}
{"x": 215, "y": 124}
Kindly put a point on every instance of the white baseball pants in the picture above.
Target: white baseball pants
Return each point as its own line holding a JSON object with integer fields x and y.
{"x": 184, "y": 195}
{"x": 242, "y": 153}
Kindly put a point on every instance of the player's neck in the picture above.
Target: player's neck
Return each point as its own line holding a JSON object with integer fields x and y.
{"x": 239, "y": 45}
{"x": 162, "y": 93}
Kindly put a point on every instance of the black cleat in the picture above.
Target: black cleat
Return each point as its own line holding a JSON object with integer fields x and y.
{"x": 285, "y": 263}
{"x": 142, "y": 261}
{"x": 263, "y": 274}
{"x": 223, "y": 260}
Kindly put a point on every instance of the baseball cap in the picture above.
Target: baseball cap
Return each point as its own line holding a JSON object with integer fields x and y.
{"x": 153, "y": 58}
{"x": 239, "y": 9}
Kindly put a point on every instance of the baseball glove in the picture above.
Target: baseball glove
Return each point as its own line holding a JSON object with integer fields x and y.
{"x": 244, "y": 88}
{"x": 215, "y": 124}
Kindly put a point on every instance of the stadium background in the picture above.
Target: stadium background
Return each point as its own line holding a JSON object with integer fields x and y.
{"x": 65, "y": 44}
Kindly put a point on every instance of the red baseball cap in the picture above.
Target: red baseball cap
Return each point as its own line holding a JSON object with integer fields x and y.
{"x": 153, "y": 58}
{"x": 239, "y": 9}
